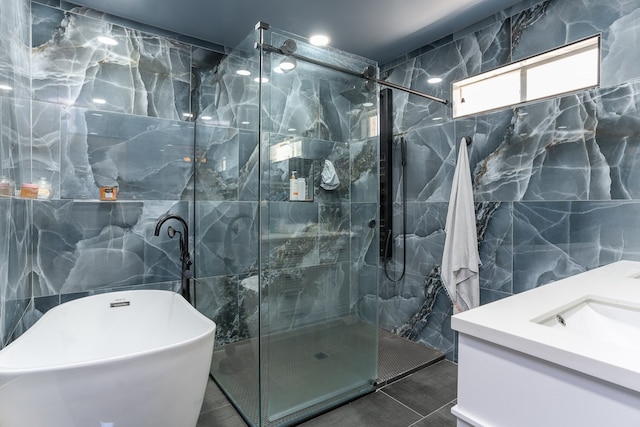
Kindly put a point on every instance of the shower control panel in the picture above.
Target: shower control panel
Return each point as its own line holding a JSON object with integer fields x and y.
{"x": 386, "y": 169}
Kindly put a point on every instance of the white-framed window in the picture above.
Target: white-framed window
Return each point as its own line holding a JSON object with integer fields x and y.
{"x": 572, "y": 67}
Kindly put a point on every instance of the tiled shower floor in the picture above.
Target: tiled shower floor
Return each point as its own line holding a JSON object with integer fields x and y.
{"x": 422, "y": 398}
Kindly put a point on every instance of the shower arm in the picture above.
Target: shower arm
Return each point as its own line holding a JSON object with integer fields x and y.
{"x": 367, "y": 74}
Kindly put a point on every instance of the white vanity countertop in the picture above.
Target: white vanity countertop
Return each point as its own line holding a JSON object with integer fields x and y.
{"x": 510, "y": 323}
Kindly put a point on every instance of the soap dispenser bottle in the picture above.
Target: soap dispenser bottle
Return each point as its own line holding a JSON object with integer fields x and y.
{"x": 293, "y": 186}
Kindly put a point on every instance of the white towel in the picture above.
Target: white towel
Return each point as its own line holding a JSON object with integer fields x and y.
{"x": 329, "y": 176}
{"x": 460, "y": 260}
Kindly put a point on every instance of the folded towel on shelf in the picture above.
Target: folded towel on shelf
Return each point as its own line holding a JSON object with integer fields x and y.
{"x": 329, "y": 177}
{"x": 460, "y": 260}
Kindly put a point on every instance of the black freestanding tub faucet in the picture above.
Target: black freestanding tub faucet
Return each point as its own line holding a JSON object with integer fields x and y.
{"x": 185, "y": 258}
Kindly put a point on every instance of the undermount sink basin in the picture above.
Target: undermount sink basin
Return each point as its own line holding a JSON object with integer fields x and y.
{"x": 597, "y": 319}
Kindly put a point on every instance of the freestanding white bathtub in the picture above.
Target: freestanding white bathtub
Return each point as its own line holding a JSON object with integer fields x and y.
{"x": 124, "y": 359}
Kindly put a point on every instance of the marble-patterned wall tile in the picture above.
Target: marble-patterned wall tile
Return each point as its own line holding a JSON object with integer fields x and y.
{"x": 293, "y": 298}
{"x": 142, "y": 74}
{"x": 16, "y": 137}
{"x": 364, "y": 170}
{"x": 84, "y": 246}
{"x": 553, "y": 23}
{"x": 541, "y": 235}
{"x": 217, "y": 298}
{"x": 334, "y": 232}
{"x": 148, "y": 158}
{"x": 248, "y": 163}
{"x": 14, "y": 49}
{"x": 617, "y": 134}
{"x": 15, "y": 290}
{"x": 45, "y": 144}
{"x": 365, "y": 234}
{"x": 227, "y": 238}
{"x": 476, "y": 52}
{"x": 496, "y": 246}
{"x": 430, "y": 164}
{"x": 292, "y": 239}
{"x": 216, "y": 162}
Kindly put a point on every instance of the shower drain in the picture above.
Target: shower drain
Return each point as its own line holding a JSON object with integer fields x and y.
{"x": 321, "y": 355}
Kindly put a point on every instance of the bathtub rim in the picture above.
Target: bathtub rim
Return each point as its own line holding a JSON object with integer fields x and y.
{"x": 211, "y": 329}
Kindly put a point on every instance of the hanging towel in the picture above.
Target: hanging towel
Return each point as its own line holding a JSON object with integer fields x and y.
{"x": 460, "y": 260}
{"x": 329, "y": 177}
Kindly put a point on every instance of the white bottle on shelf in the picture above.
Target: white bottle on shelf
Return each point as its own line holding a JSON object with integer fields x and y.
{"x": 293, "y": 187}
{"x": 302, "y": 189}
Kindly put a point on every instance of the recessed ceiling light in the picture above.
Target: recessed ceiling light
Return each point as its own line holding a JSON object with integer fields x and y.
{"x": 107, "y": 40}
{"x": 245, "y": 122}
{"x": 319, "y": 40}
{"x": 206, "y": 117}
{"x": 261, "y": 80}
{"x": 243, "y": 72}
{"x": 434, "y": 80}
{"x": 99, "y": 101}
{"x": 367, "y": 104}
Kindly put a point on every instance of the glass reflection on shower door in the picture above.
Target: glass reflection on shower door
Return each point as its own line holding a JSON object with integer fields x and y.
{"x": 319, "y": 255}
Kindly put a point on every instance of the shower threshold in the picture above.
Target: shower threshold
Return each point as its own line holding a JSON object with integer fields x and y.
{"x": 399, "y": 357}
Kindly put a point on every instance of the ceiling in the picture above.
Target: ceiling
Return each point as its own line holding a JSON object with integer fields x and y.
{"x": 376, "y": 29}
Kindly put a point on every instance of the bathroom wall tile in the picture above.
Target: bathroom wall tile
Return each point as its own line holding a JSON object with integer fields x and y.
{"x": 45, "y": 144}
{"x": 87, "y": 246}
{"x": 554, "y": 23}
{"x": 71, "y": 67}
{"x": 334, "y": 232}
{"x": 16, "y": 137}
{"x": 296, "y": 297}
{"x": 431, "y": 154}
{"x": 364, "y": 171}
{"x": 495, "y": 245}
{"x": 148, "y": 158}
{"x": 617, "y": 138}
{"x": 364, "y": 239}
{"x": 227, "y": 238}
{"x": 217, "y": 298}
{"x": 248, "y": 162}
{"x": 216, "y": 162}
{"x": 292, "y": 239}
{"x": 604, "y": 232}
{"x": 541, "y": 244}
{"x": 437, "y": 332}
{"x": 14, "y": 49}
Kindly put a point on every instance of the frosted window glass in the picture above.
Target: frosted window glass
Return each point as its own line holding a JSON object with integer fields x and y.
{"x": 565, "y": 74}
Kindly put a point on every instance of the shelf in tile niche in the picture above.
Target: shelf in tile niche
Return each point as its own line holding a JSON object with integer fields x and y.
{"x": 309, "y": 235}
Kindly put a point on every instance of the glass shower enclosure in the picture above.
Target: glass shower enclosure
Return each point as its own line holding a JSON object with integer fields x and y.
{"x": 286, "y": 238}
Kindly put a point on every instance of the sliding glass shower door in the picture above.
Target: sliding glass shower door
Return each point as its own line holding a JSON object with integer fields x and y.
{"x": 293, "y": 303}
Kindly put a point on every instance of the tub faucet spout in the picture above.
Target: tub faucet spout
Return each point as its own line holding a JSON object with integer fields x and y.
{"x": 185, "y": 257}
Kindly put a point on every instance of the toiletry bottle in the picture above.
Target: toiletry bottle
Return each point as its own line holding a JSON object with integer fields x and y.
{"x": 293, "y": 187}
{"x": 302, "y": 189}
{"x": 6, "y": 187}
{"x": 44, "y": 189}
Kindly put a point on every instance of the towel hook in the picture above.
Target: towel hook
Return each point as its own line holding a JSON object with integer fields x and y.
{"x": 468, "y": 140}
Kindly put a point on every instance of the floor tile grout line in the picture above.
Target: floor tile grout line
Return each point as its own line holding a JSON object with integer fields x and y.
{"x": 433, "y": 412}
{"x": 393, "y": 398}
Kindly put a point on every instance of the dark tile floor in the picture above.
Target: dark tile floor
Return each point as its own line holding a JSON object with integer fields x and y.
{"x": 422, "y": 399}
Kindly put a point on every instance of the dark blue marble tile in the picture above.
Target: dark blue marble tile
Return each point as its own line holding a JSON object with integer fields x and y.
{"x": 143, "y": 74}
{"x": 227, "y": 238}
{"x": 216, "y": 163}
{"x": 147, "y": 158}
{"x": 554, "y": 23}
{"x": 14, "y": 50}
{"x": 496, "y": 246}
{"x": 88, "y": 246}
{"x": 431, "y": 154}
{"x": 541, "y": 252}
